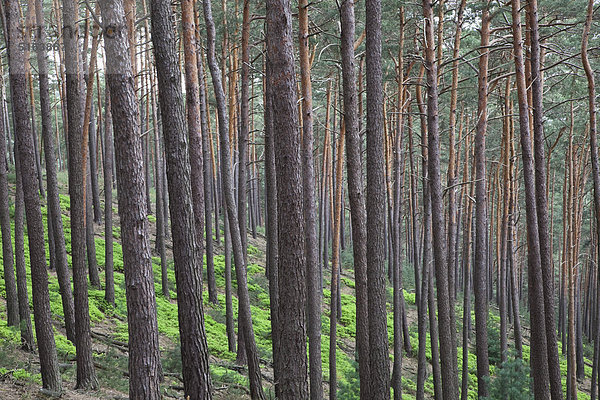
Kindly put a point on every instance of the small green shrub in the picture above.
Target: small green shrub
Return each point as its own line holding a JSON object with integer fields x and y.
{"x": 511, "y": 382}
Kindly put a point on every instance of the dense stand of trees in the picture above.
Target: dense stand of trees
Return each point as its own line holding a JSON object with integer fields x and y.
{"x": 365, "y": 143}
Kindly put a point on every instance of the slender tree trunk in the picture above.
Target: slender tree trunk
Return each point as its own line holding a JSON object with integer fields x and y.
{"x": 570, "y": 265}
{"x": 313, "y": 286}
{"x": 335, "y": 269}
{"x": 424, "y": 278}
{"x": 208, "y": 182}
{"x": 109, "y": 290}
{"x": 542, "y": 204}
{"x": 513, "y": 273}
{"x": 144, "y": 358}
{"x": 51, "y": 379}
{"x": 86, "y": 375}
{"x": 54, "y": 213}
{"x": 161, "y": 216}
{"x": 445, "y": 307}
{"x": 378, "y": 340}
{"x": 254, "y": 374}
{"x": 396, "y": 263}
{"x": 229, "y": 323}
{"x": 10, "y": 285}
{"x": 292, "y": 365}
{"x": 595, "y": 173}
{"x": 89, "y": 234}
{"x": 193, "y": 120}
{"x": 271, "y": 227}
{"x": 194, "y": 348}
{"x": 243, "y": 132}
{"x": 27, "y": 340}
{"x": 539, "y": 355}
{"x": 466, "y": 327}
{"x": 356, "y": 192}
{"x": 452, "y": 206}
{"x": 481, "y": 218}
{"x": 93, "y": 166}
{"x": 88, "y": 117}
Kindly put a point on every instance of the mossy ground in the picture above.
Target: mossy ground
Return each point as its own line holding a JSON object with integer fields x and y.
{"x": 109, "y": 324}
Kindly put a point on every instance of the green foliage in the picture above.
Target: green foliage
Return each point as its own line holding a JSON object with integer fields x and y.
{"x": 227, "y": 375}
{"x": 409, "y": 297}
{"x": 252, "y": 250}
{"x": 511, "y": 382}
{"x": 348, "y": 282}
{"x": 347, "y": 257}
{"x": 168, "y": 322}
{"x": 113, "y": 371}
{"x": 350, "y": 387}
{"x": 216, "y": 336}
{"x": 494, "y": 352}
{"x": 21, "y": 375}
{"x": 8, "y": 334}
{"x": 64, "y": 347}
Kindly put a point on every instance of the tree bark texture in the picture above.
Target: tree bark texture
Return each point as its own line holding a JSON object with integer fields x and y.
{"x": 194, "y": 348}
{"x": 51, "y": 379}
{"x": 375, "y": 202}
{"x": 145, "y": 370}
{"x": 292, "y": 365}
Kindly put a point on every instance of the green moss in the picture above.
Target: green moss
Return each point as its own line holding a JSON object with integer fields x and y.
{"x": 226, "y": 375}
{"x": 8, "y": 334}
{"x": 64, "y": 347}
{"x": 409, "y": 297}
{"x": 253, "y": 250}
{"x": 21, "y": 375}
{"x": 168, "y": 322}
{"x": 348, "y": 282}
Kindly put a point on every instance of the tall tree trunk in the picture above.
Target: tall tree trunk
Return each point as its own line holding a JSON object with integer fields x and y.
{"x": 194, "y": 348}
{"x": 208, "y": 182}
{"x": 254, "y": 374}
{"x": 10, "y": 285}
{"x": 335, "y": 272}
{"x": 54, "y": 213}
{"x": 271, "y": 227}
{"x": 570, "y": 265}
{"x": 243, "y": 132}
{"x": 595, "y": 173}
{"x": 27, "y": 340}
{"x": 539, "y": 355}
{"x": 229, "y": 323}
{"x": 396, "y": 228}
{"x": 375, "y": 202}
{"x": 481, "y": 218}
{"x": 109, "y": 285}
{"x": 88, "y": 126}
{"x": 144, "y": 358}
{"x": 356, "y": 194}
{"x": 86, "y": 375}
{"x": 240, "y": 126}
{"x": 292, "y": 365}
{"x": 452, "y": 163}
{"x": 542, "y": 203}
{"x": 512, "y": 271}
{"x": 445, "y": 307}
{"x": 313, "y": 286}
{"x": 192, "y": 105}
{"x": 161, "y": 216}
{"x": 89, "y": 233}
{"x": 423, "y": 283}
{"x": 93, "y": 166}
{"x": 51, "y": 379}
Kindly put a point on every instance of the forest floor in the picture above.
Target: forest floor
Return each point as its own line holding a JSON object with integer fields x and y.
{"x": 19, "y": 370}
